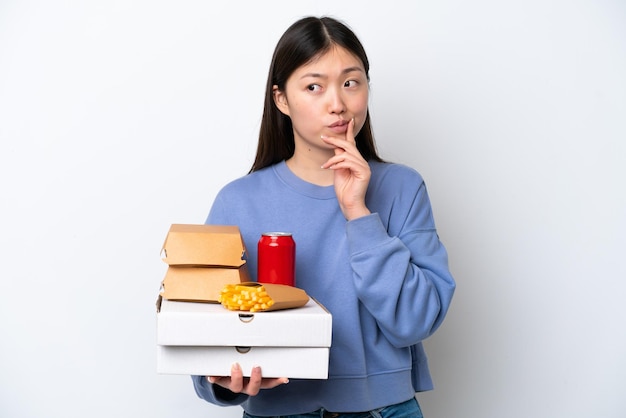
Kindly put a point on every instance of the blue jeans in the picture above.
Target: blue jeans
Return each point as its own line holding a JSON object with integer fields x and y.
{"x": 408, "y": 409}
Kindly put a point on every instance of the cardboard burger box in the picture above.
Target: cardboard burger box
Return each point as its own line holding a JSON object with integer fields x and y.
{"x": 206, "y": 339}
{"x": 200, "y": 284}
{"x": 201, "y": 260}
{"x": 203, "y": 245}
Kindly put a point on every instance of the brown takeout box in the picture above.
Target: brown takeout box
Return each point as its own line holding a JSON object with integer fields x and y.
{"x": 203, "y": 245}
{"x": 201, "y": 260}
{"x": 200, "y": 284}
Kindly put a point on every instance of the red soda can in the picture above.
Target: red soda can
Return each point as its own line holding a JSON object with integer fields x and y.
{"x": 277, "y": 259}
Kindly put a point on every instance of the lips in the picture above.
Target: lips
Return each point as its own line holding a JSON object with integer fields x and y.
{"x": 339, "y": 123}
{"x": 340, "y": 127}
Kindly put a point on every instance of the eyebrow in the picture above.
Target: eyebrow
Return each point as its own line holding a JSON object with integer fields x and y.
{"x": 345, "y": 71}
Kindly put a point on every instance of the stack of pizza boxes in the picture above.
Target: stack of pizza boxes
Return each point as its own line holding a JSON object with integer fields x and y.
{"x": 197, "y": 335}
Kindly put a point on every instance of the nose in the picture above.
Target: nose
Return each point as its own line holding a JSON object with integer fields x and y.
{"x": 336, "y": 104}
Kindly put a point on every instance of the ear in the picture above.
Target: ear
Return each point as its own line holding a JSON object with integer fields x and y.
{"x": 280, "y": 99}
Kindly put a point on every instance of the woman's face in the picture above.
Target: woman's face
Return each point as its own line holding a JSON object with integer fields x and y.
{"x": 323, "y": 95}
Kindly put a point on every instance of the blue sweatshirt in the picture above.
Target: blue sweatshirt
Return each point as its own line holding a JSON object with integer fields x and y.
{"x": 383, "y": 277}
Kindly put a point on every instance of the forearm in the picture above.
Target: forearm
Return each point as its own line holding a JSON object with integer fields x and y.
{"x": 405, "y": 284}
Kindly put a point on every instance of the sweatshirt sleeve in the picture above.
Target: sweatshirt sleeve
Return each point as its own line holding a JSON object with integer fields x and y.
{"x": 216, "y": 394}
{"x": 402, "y": 278}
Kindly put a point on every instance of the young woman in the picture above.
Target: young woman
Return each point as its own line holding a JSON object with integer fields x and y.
{"x": 367, "y": 247}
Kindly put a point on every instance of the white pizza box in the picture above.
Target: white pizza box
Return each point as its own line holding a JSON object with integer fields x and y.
{"x": 290, "y": 362}
{"x": 209, "y": 324}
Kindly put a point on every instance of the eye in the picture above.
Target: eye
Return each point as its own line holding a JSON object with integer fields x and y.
{"x": 351, "y": 83}
{"x": 313, "y": 87}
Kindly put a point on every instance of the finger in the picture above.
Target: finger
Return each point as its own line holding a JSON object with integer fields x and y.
{"x": 339, "y": 144}
{"x": 344, "y": 160}
{"x": 272, "y": 383}
{"x": 333, "y": 161}
{"x": 236, "y": 378}
{"x": 347, "y": 144}
{"x": 223, "y": 381}
{"x": 254, "y": 384}
{"x": 350, "y": 132}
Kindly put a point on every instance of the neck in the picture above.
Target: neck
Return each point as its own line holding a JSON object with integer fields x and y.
{"x": 309, "y": 167}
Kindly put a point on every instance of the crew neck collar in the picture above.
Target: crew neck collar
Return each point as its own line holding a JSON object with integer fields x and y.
{"x": 301, "y": 186}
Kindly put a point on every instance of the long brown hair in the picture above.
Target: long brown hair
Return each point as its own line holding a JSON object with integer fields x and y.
{"x": 303, "y": 41}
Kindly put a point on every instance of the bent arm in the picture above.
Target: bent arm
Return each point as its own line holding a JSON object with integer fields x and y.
{"x": 404, "y": 280}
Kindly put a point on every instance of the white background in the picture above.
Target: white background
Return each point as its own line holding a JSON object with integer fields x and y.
{"x": 119, "y": 118}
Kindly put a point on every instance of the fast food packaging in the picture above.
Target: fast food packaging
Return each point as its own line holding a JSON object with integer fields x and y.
{"x": 206, "y": 339}
{"x": 203, "y": 245}
{"x": 201, "y": 260}
{"x": 282, "y": 296}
